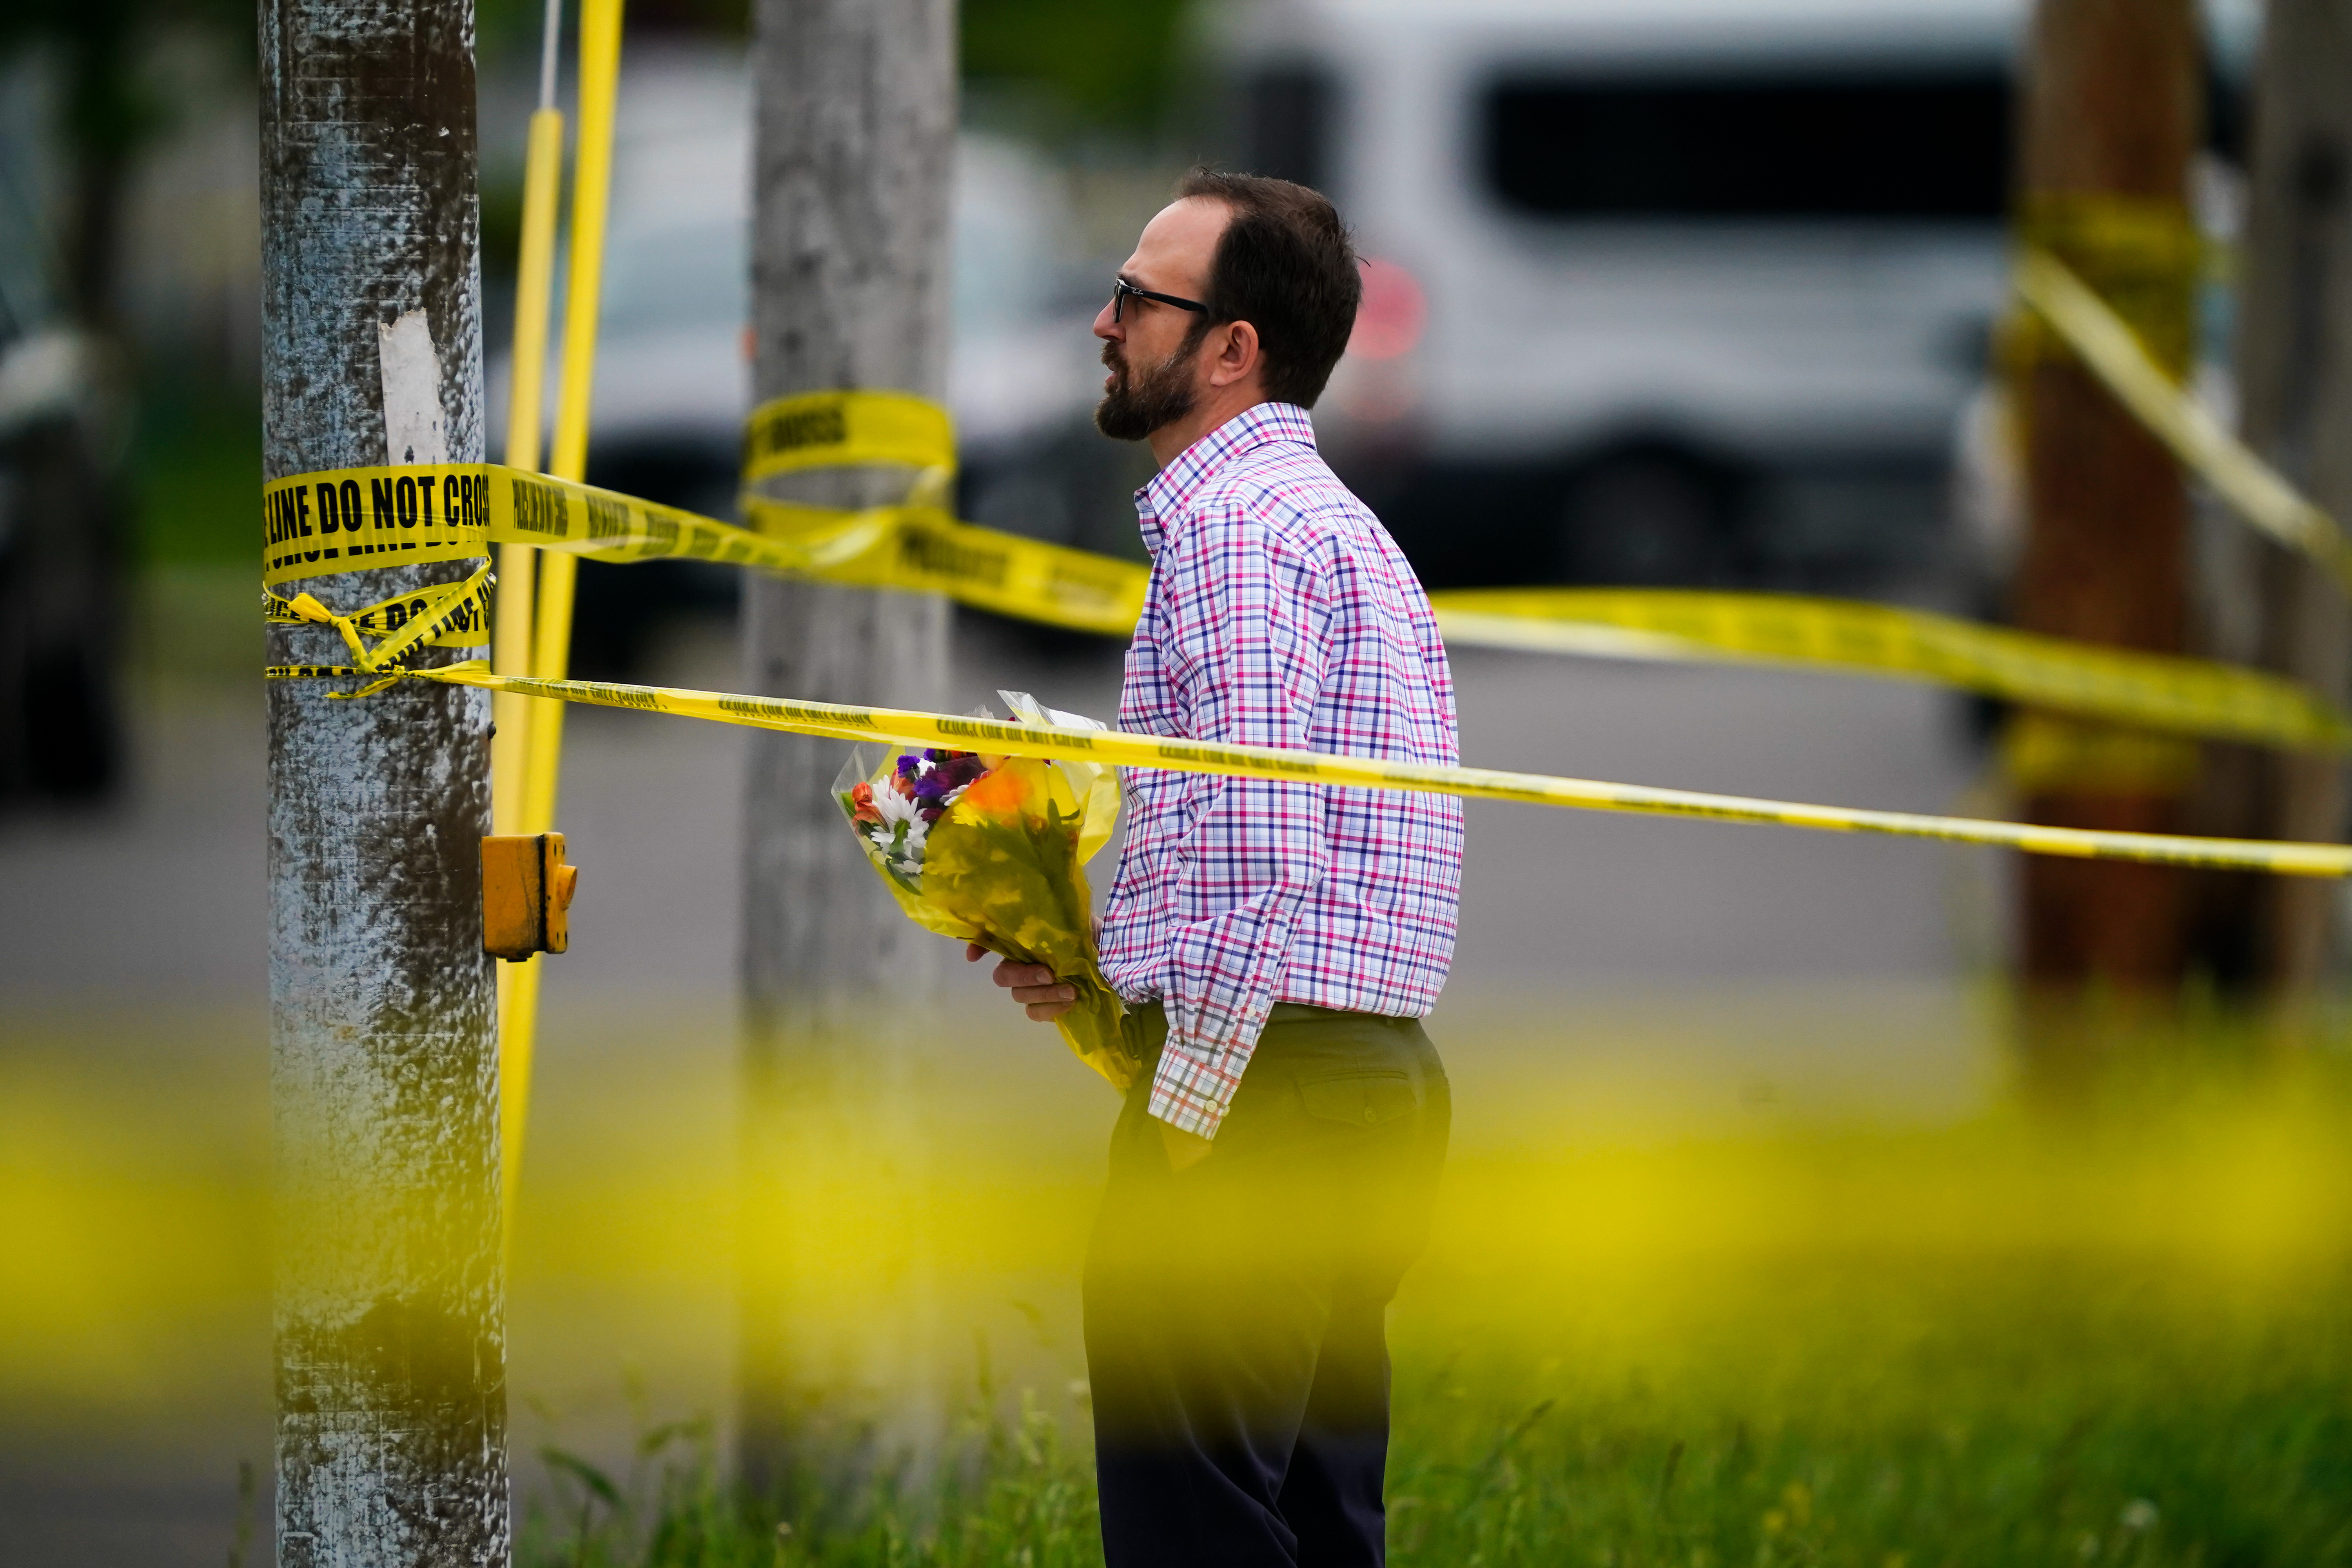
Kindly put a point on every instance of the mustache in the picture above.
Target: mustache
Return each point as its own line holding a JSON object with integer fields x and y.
{"x": 1112, "y": 358}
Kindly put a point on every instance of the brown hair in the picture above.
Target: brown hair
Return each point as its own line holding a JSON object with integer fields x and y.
{"x": 1285, "y": 265}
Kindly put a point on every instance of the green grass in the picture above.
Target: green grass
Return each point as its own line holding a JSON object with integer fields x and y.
{"x": 1877, "y": 1408}
{"x": 1014, "y": 1489}
{"x": 1883, "y": 1413}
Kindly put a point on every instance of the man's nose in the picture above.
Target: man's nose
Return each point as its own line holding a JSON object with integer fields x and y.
{"x": 1107, "y": 325}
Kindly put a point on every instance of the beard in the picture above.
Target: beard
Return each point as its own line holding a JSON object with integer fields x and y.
{"x": 1138, "y": 404}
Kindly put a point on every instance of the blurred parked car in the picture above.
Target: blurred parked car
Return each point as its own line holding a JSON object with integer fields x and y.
{"x": 1669, "y": 291}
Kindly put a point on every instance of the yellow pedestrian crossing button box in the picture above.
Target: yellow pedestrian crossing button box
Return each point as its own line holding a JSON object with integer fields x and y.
{"x": 526, "y": 895}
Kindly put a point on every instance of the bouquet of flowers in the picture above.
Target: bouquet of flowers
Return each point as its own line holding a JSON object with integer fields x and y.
{"x": 993, "y": 849}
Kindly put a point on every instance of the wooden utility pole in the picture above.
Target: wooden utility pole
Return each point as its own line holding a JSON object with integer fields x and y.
{"x": 391, "y": 1351}
{"x": 854, "y": 142}
{"x": 2275, "y": 934}
{"x": 2112, "y": 112}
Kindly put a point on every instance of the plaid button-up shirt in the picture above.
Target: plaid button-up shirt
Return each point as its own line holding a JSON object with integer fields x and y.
{"x": 1279, "y": 614}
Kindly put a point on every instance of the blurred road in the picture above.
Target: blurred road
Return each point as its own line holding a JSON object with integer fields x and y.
{"x": 1662, "y": 976}
{"x": 165, "y": 895}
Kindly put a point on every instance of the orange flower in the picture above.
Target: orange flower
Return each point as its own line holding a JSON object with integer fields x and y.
{"x": 997, "y": 793}
{"x": 861, "y": 796}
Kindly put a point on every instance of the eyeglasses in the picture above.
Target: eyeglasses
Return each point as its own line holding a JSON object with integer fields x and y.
{"x": 1121, "y": 290}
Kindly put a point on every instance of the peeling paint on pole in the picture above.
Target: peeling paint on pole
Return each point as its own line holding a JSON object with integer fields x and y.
{"x": 390, "y": 1311}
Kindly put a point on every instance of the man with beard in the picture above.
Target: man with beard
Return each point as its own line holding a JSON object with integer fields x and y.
{"x": 1277, "y": 943}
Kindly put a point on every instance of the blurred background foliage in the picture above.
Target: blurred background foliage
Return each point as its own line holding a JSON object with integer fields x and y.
{"x": 110, "y": 102}
{"x": 1096, "y": 67}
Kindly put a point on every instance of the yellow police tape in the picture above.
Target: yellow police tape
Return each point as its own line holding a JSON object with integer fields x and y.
{"x": 847, "y": 429}
{"x": 2106, "y": 343}
{"x": 452, "y": 614}
{"x": 352, "y": 519}
{"x": 449, "y": 614}
{"x": 2182, "y": 696}
{"x": 2141, "y": 257}
{"x": 1125, "y": 750}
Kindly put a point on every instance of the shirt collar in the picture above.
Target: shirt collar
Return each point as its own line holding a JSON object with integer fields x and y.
{"x": 1169, "y": 494}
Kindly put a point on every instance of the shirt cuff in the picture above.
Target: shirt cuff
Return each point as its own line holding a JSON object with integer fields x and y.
{"x": 1193, "y": 1086}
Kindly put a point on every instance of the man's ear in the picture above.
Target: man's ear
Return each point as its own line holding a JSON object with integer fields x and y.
{"x": 1234, "y": 356}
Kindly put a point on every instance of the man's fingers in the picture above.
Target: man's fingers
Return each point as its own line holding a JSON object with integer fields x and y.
{"x": 973, "y": 952}
{"x": 1012, "y": 976}
{"x": 1034, "y": 987}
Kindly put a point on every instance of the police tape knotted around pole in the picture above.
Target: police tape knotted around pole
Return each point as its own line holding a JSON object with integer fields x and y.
{"x": 352, "y": 519}
{"x": 1122, "y": 749}
{"x": 449, "y": 614}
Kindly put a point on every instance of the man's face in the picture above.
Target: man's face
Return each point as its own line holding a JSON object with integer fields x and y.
{"x": 1152, "y": 349}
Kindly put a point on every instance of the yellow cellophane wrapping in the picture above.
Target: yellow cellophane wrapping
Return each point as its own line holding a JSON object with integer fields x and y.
{"x": 1004, "y": 859}
{"x": 1004, "y": 867}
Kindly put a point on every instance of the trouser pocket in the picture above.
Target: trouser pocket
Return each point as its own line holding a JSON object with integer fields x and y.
{"x": 1352, "y": 1097}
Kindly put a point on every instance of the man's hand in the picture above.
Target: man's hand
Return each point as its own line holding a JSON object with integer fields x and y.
{"x": 1185, "y": 1150}
{"x": 1032, "y": 984}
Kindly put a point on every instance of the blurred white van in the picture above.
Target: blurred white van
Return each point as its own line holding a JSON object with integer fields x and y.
{"x": 1663, "y": 290}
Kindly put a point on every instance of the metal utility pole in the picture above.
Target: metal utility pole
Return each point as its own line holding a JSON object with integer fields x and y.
{"x": 2294, "y": 382}
{"x": 855, "y": 136}
{"x": 391, "y": 1340}
{"x": 2112, "y": 112}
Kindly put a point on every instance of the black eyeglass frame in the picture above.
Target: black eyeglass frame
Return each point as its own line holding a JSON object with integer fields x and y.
{"x": 1120, "y": 288}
